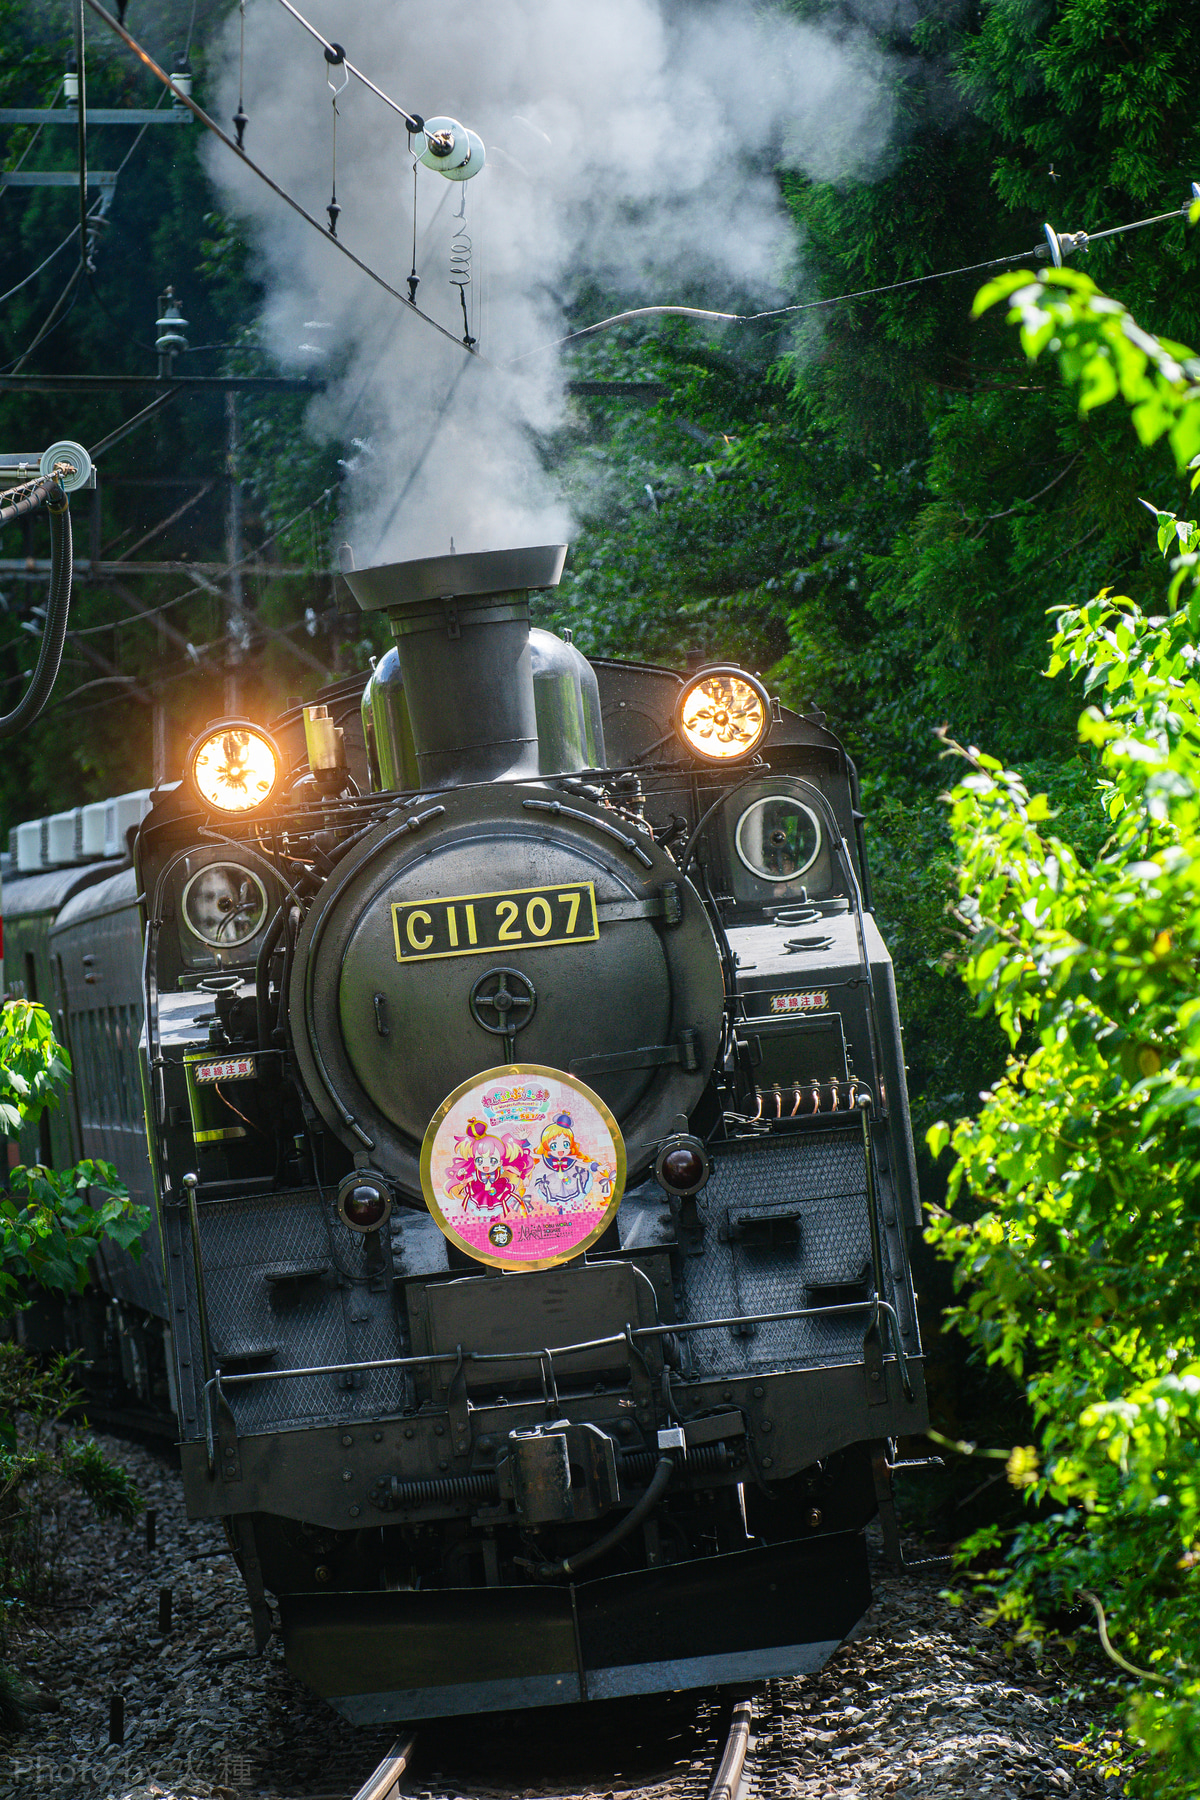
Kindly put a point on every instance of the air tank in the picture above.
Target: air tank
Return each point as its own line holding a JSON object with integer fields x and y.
{"x": 567, "y": 700}
{"x": 387, "y": 727}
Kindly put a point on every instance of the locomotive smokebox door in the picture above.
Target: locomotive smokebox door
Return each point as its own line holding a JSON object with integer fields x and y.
{"x": 503, "y": 921}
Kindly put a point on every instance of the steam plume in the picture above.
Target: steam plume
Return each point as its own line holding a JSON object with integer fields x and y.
{"x": 633, "y": 142}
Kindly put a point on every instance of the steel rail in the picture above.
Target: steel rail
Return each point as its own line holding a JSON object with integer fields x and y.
{"x": 384, "y": 1783}
{"x": 726, "y": 1781}
{"x": 727, "y": 1777}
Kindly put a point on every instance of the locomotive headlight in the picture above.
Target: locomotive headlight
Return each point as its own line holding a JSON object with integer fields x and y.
{"x": 723, "y": 715}
{"x": 364, "y": 1203}
{"x": 234, "y": 767}
{"x": 682, "y": 1165}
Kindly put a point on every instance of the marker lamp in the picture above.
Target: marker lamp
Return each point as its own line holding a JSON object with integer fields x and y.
{"x": 234, "y": 768}
{"x": 364, "y": 1203}
{"x": 723, "y": 715}
{"x": 682, "y": 1166}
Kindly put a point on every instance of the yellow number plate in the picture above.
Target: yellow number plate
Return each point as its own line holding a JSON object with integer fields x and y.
{"x": 475, "y": 924}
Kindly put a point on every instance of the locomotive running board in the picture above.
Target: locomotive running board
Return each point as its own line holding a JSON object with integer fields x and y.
{"x": 379, "y": 1658}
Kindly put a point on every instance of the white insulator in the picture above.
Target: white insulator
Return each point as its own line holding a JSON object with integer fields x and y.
{"x": 473, "y": 161}
{"x": 66, "y": 452}
{"x": 451, "y": 149}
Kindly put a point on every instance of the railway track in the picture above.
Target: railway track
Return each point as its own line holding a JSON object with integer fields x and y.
{"x": 384, "y": 1783}
{"x": 730, "y": 1772}
{"x": 723, "y": 1772}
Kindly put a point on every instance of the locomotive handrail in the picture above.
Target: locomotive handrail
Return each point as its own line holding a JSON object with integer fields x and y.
{"x": 842, "y": 852}
{"x": 637, "y": 1331}
{"x": 557, "y": 808}
{"x": 154, "y": 922}
{"x": 865, "y": 1107}
{"x": 843, "y": 855}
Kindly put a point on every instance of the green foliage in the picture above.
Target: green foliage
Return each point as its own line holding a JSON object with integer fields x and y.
{"x": 952, "y": 1053}
{"x": 1073, "y": 111}
{"x": 34, "y": 1068}
{"x": 1075, "y": 1194}
{"x": 1102, "y": 351}
{"x": 52, "y": 1222}
{"x": 1088, "y": 104}
{"x": 692, "y": 536}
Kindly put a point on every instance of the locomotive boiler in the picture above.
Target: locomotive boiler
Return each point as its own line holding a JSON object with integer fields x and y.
{"x": 531, "y": 1159}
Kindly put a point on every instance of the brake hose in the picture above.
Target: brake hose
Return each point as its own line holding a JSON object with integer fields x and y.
{"x": 48, "y": 492}
{"x": 659, "y": 1482}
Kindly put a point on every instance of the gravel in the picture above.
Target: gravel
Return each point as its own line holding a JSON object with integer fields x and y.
{"x": 195, "y": 1728}
{"x": 923, "y": 1702}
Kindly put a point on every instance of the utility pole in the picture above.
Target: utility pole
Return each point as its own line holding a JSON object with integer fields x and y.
{"x": 235, "y": 623}
{"x": 158, "y": 754}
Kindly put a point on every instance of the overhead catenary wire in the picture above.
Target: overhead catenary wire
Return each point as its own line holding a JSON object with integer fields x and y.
{"x": 210, "y": 124}
{"x": 34, "y": 273}
{"x": 160, "y": 681}
{"x": 198, "y": 589}
{"x": 92, "y": 288}
{"x": 100, "y": 681}
{"x": 420, "y": 459}
{"x": 20, "y": 162}
{"x": 180, "y": 668}
{"x": 48, "y": 492}
{"x": 183, "y": 667}
{"x": 139, "y": 418}
{"x": 55, "y": 317}
{"x": 412, "y": 121}
{"x": 95, "y": 212}
{"x": 81, "y": 110}
{"x": 1039, "y": 253}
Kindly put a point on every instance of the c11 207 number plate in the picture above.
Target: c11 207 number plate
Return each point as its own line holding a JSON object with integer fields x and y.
{"x": 475, "y": 924}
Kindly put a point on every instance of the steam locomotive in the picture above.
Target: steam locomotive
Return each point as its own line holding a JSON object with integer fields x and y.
{"x": 526, "y": 1131}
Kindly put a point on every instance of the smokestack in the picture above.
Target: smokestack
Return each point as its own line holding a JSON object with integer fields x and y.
{"x": 461, "y": 625}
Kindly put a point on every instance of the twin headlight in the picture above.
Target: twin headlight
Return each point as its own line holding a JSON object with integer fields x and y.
{"x": 722, "y": 715}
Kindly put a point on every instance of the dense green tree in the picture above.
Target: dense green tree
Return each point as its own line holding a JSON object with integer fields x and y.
{"x": 1074, "y": 1191}
{"x": 880, "y": 483}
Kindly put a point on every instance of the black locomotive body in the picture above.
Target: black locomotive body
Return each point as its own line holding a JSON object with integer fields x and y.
{"x": 649, "y": 1465}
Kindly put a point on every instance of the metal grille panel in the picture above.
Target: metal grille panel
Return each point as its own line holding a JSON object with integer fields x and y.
{"x": 823, "y": 1179}
{"x": 333, "y": 1316}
